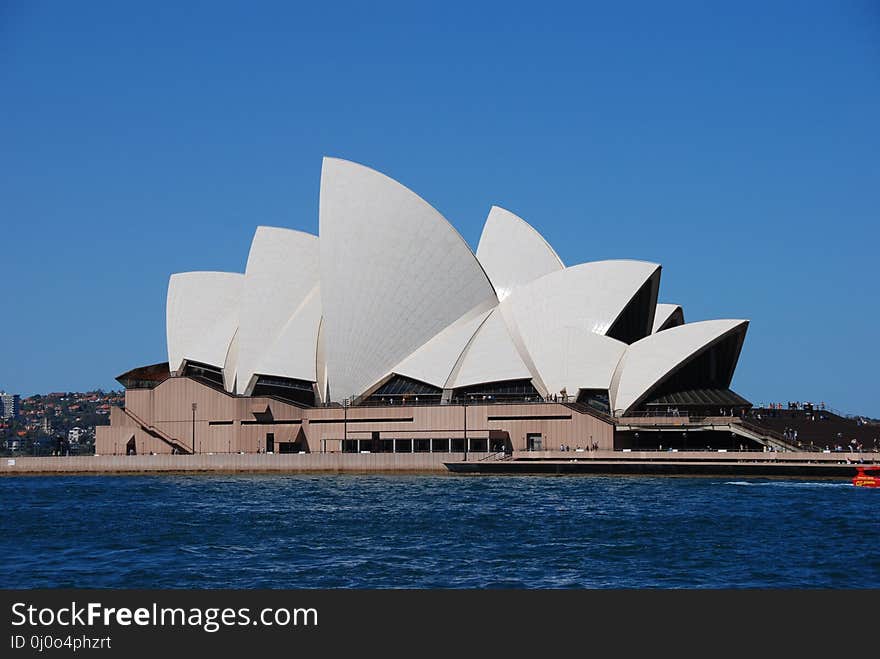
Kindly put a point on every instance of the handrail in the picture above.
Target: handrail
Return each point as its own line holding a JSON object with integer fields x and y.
{"x": 429, "y": 402}
{"x": 769, "y": 432}
{"x": 646, "y": 414}
{"x": 816, "y": 409}
{"x": 495, "y": 455}
{"x": 584, "y": 408}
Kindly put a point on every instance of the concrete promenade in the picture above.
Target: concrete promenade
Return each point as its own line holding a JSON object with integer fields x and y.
{"x": 232, "y": 463}
{"x": 676, "y": 463}
{"x": 804, "y": 464}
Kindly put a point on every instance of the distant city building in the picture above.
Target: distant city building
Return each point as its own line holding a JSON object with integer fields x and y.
{"x": 9, "y": 405}
{"x": 46, "y": 425}
{"x": 74, "y": 434}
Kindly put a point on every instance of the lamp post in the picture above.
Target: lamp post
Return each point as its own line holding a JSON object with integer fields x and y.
{"x": 195, "y": 406}
{"x": 465, "y": 430}
{"x": 345, "y": 402}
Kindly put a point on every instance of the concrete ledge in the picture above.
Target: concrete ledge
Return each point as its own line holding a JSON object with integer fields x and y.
{"x": 231, "y": 463}
{"x": 706, "y": 463}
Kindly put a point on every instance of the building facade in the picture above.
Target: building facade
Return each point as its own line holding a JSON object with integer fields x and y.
{"x": 9, "y": 405}
{"x": 187, "y": 415}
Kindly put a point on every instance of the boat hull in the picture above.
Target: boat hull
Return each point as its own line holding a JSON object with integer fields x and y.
{"x": 867, "y": 477}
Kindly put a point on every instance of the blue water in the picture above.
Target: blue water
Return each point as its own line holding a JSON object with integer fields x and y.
{"x": 436, "y": 531}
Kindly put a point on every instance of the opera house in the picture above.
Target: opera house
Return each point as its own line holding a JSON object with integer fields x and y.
{"x": 387, "y": 333}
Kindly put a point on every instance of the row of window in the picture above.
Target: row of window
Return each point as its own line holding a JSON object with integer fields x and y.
{"x": 434, "y": 445}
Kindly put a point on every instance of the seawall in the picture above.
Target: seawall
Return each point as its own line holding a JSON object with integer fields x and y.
{"x": 806, "y": 465}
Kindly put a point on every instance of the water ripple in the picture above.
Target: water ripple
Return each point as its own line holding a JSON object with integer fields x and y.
{"x": 436, "y": 532}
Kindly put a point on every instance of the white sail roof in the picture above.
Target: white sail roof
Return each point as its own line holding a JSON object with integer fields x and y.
{"x": 433, "y": 362}
{"x": 666, "y": 316}
{"x": 391, "y": 287}
{"x": 282, "y": 270}
{"x": 650, "y": 360}
{"x": 512, "y": 253}
{"x": 230, "y": 365}
{"x": 394, "y": 273}
{"x": 490, "y": 356}
{"x": 321, "y": 365}
{"x": 201, "y": 316}
{"x": 293, "y": 353}
{"x": 591, "y": 296}
{"x": 572, "y": 358}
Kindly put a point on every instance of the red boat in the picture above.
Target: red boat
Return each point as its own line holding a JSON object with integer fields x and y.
{"x": 867, "y": 476}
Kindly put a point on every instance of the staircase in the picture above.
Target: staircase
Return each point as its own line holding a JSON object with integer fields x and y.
{"x": 153, "y": 431}
{"x": 819, "y": 428}
{"x": 497, "y": 456}
{"x": 764, "y": 436}
{"x": 743, "y": 428}
{"x": 583, "y": 408}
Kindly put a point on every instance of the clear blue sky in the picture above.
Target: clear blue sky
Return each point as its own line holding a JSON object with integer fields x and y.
{"x": 737, "y": 144}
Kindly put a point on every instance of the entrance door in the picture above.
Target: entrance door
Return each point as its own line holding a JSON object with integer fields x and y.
{"x": 270, "y": 442}
{"x": 498, "y": 441}
{"x": 131, "y": 447}
{"x": 533, "y": 441}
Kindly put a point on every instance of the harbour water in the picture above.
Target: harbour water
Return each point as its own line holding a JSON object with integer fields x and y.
{"x": 350, "y": 531}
